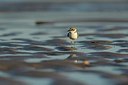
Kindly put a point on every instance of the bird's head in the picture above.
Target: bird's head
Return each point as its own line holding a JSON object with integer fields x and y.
{"x": 72, "y": 29}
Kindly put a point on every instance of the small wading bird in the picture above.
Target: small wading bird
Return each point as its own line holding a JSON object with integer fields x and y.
{"x": 73, "y": 34}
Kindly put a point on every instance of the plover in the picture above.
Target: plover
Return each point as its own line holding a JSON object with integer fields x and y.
{"x": 73, "y": 34}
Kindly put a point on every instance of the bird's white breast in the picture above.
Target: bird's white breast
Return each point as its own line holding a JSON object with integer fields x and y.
{"x": 73, "y": 35}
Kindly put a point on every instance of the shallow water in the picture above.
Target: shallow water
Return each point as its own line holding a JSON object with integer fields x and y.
{"x": 35, "y": 50}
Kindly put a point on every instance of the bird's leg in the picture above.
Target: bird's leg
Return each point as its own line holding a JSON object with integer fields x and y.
{"x": 73, "y": 43}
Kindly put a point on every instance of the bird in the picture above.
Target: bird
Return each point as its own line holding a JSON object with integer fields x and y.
{"x": 72, "y": 34}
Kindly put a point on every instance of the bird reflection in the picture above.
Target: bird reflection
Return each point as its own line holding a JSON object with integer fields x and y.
{"x": 73, "y": 57}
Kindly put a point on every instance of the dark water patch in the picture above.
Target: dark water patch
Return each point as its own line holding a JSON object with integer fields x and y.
{"x": 122, "y": 50}
{"x": 56, "y": 42}
{"x": 99, "y": 47}
{"x": 35, "y": 48}
{"x": 63, "y": 48}
{"x": 16, "y": 50}
{"x": 121, "y": 43}
{"x": 22, "y": 39}
{"x": 107, "y": 63}
{"x": 53, "y": 53}
{"x": 2, "y": 40}
{"x": 28, "y": 41}
{"x": 35, "y": 55}
{"x": 59, "y": 36}
{"x": 23, "y": 57}
{"x": 10, "y": 81}
{"x": 113, "y": 35}
{"x": 115, "y": 28}
{"x": 97, "y": 44}
{"x": 67, "y": 82}
{"x": 10, "y": 34}
{"x": 38, "y": 33}
{"x": 43, "y": 22}
{"x": 124, "y": 71}
{"x": 8, "y": 44}
{"x": 88, "y": 34}
{"x": 121, "y": 60}
{"x": 6, "y": 50}
{"x": 109, "y": 55}
{"x": 117, "y": 35}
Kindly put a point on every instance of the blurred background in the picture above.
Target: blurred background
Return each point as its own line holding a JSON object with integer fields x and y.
{"x": 71, "y": 9}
